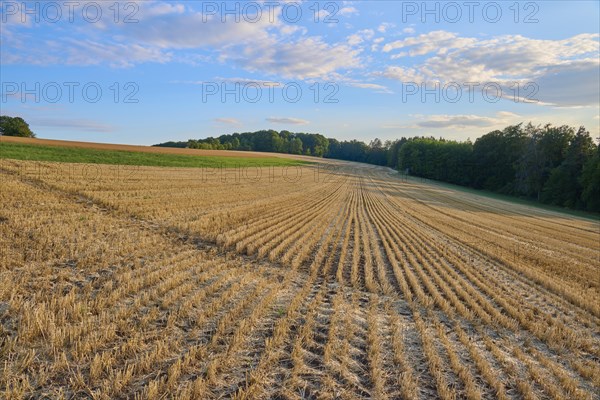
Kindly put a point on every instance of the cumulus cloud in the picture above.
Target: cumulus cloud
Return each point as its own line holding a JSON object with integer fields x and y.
{"x": 383, "y": 27}
{"x": 162, "y": 29}
{"x": 306, "y": 58}
{"x": 403, "y": 74}
{"x": 329, "y": 15}
{"x": 565, "y": 72}
{"x": 439, "y": 41}
{"x": 375, "y": 45}
{"x": 287, "y": 121}
{"x": 360, "y": 36}
{"x": 193, "y": 30}
{"x": 176, "y": 33}
{"x": 571, "y": 85}
{"x": 161, "y": 8}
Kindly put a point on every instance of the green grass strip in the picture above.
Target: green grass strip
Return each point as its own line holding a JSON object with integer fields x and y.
{"x": 18, "y": 151}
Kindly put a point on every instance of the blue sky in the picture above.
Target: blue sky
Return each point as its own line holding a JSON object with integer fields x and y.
{"x": 350, "y": 69}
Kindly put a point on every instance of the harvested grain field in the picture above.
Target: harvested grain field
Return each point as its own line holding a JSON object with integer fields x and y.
{"x": 337, "y": 280}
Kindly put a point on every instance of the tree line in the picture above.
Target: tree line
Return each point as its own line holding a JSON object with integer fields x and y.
{"x": 558, "y": 165}
{"x": 309, "y": 144}
{"x": 553, "y": 165}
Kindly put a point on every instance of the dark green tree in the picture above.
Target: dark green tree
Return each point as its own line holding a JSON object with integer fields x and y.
{"x": 495, "y": 156}
{"x": 590, "y": 182}
{"x": 15, "y": 126}
{"x": 564, "y": 186}
{"x": 295, "y": 146}
{"x": 392, "y": 152}
{"x": 545, "y": 150}
{"x": 377, "y": 153}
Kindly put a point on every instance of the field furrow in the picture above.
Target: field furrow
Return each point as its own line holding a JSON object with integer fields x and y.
{"x": 162, "y": 283}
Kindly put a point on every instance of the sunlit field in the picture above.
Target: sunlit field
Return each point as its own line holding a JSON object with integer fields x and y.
{"x": 299, "y": 200}
{"x": 333, "y": 280}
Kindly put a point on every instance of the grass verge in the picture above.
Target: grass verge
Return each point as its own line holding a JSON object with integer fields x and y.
{"x": 19, "y": 151}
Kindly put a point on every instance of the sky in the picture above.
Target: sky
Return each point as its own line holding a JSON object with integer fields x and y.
{"x": 144, "y": 72}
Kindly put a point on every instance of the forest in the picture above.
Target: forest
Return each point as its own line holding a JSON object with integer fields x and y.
{"x": 557, "y": 165}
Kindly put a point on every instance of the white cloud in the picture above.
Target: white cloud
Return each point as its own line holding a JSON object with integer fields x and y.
{"x": 572, "y": 84}
{"x": 375, "y": 45}
{"x": 410, "y": 31}
{"x": 228, "y": 121}
{"x": 440, "y": 121}
{"x": 360, "y": 37}
{"x": 195, "y": 31}
{"x": 403, "y": 74}
{"x": 373, "y": 86}
{"x": 162, "y": 29}
{"x": 459, "y": 121}
{"x": 322, "y": 14}
{"x": 354, "y": 40}
{"x": 306, "y": 58}
{"x": 384, "y": 27}
{"x": 345, "y": 11}
{"x": 173, "y": 33}
{"x": 329, "y": 15}
{"x": 291, "y": 29}
{"x": 87, "y": 52}
{"x": 399, "y": 55}
{"x": 161, "y": 8}
{"x": 565, "y": 71}
{"x": 439, "y": 41}
{"x": 287, "y": 121}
